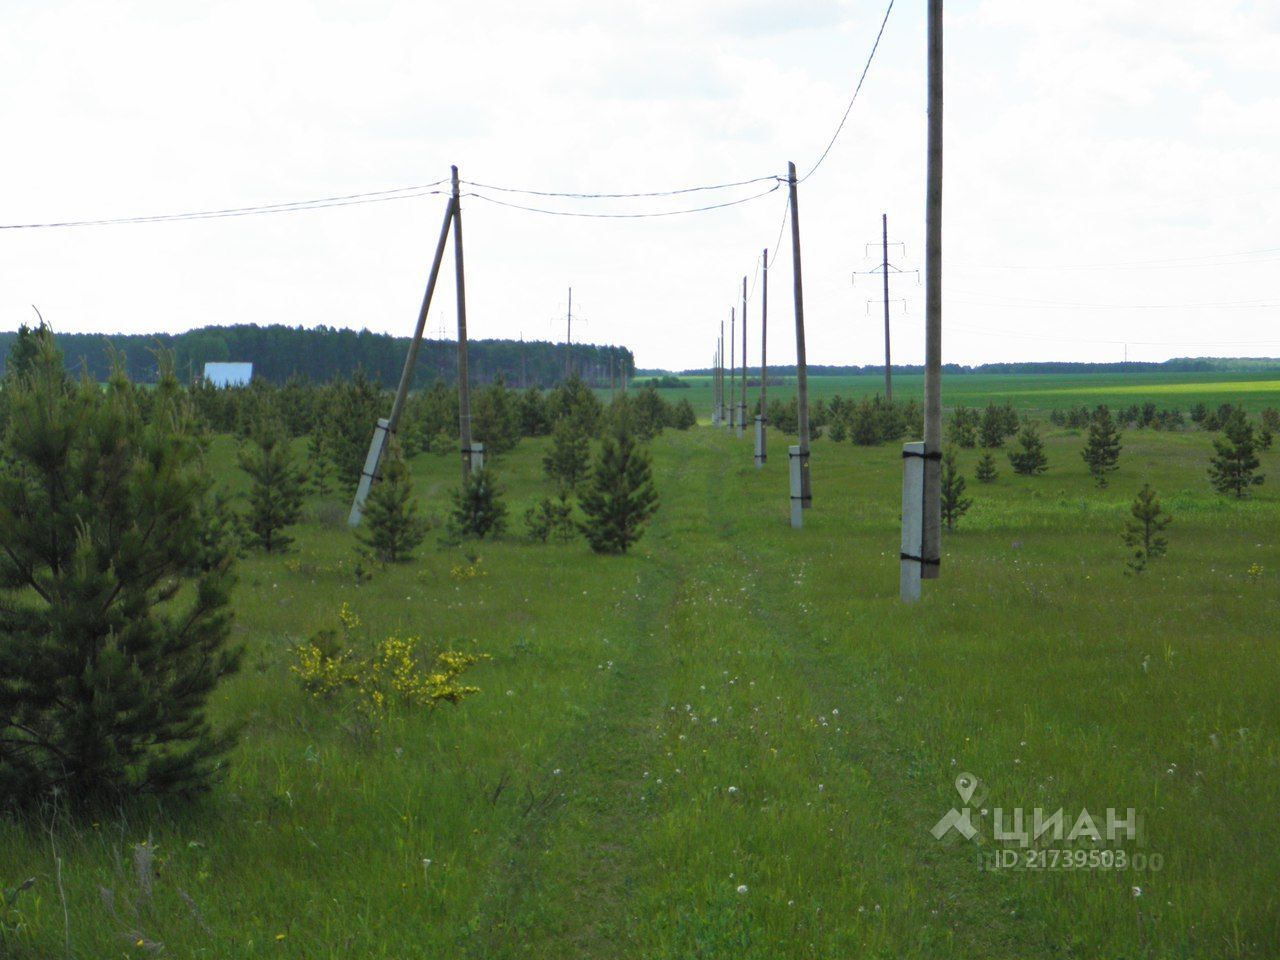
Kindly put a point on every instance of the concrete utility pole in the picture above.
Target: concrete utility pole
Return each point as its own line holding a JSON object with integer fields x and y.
{"x": 720, "y": 367}
{"x": 802, "y": 370}
{"x": 464, "y": 389}
{"x": 742, "y": 408}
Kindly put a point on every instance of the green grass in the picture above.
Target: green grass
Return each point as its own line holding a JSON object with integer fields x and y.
{"x": 581, "y": 805}
{"x": 1037, "y": 393}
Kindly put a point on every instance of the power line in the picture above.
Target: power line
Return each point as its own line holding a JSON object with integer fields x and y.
{"x": 620, "y": 196}
{"x": 627, "y": 216}
{"x": 377, "y": 196}
{"x": 856, "y": 90}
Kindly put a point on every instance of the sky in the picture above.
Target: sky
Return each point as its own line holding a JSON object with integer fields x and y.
{"x": 1111, "y": 176}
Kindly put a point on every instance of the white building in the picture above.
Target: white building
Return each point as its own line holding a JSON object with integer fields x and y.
{"x": 228, "y": 374}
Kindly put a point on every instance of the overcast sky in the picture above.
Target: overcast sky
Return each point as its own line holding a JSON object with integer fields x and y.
{"x": 1111, "y": 169}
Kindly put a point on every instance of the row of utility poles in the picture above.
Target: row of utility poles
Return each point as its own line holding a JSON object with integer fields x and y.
{"x": 920, "y": 555}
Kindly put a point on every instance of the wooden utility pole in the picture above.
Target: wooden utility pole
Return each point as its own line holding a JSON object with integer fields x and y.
{"x": 931, "y": 544}
{"x": 762, "y": 418}
{"x": 742, "y": 408}
{"x": 386, "y": 428}
{"x": 720, "y": 368}
{"x": 464, "y": 390}
{"x": 733, "y": 371}
{"x": 802, "y": 371}
{"x": 888, "y": 375}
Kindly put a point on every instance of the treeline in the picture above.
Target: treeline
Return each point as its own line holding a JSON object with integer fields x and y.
{"x": 1179, "y": 365}
{"x": 322, "y": 353}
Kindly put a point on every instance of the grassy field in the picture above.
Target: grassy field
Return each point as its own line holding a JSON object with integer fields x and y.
{"x": 1040, "y": 393}
{"x": 734, "y": 741}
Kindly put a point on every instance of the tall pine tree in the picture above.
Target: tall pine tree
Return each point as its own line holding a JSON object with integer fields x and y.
{"x": 620, "y": 498}
{"x": 111, "y": 638}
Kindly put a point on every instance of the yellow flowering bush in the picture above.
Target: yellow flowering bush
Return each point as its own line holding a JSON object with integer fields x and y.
{"x": 395, "y": 673}
{"x": 468, "y": 571}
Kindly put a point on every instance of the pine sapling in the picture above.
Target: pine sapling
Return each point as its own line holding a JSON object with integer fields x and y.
{"x": 1234, "y": 467}
{"x": 1145, "y": 532}
{"x": 478, "y": 510}
{"x": 391, "y": 528}
{"x": 1102, "y": 448}
{"x": 985, "y": 472}
{"x": 275, "y": 496}
{"x": 954, "y": 502}
{"x": 620, "y": 498}
{"x": 1029, "y": 460}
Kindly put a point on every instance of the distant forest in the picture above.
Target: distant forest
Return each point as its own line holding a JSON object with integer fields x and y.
{"x": 1178, "y": 365}
{"x": 278, "y": 352}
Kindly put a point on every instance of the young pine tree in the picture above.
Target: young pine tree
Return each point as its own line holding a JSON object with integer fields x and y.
{"x": 111, "y": 638}
{"x": 1102, "y": 448}
{"x": 390, "y": 528}
{"x": 320, "y": 459}
{"x": 1234, "y": 468}
{"x": 991, "y": 428}
{"x": 1030, "y": 459}
{"x": 275, "y": 495}
{"x": 954, "y": 503}
{"x": 964, "y": 427}
{"x": 621, "y": 497}
{"x": 478, "y": 510}
{"x": 1145, "y": 532}
{"x": 551, "y": 519}
{"x": 569, "y": 458}
{"x": 985, "y": 472}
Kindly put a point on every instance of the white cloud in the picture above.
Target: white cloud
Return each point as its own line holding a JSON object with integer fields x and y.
{"x": 1076, "y": 133}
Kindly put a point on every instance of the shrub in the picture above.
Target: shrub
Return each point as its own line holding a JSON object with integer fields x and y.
{"x": 393, "y": 673}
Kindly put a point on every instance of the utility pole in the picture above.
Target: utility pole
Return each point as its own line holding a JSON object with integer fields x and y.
{"x": 762, "y": 418}
{"x": 888, "y": 365}
{"x": 387, "y": 427}
{"x": 931, "y": 542}
{"x": 886, "y": 270}
{"x": 568, "y": 339}
{"x": 733, "y": 371}
{"x": 464, "y": 390}
{"x": 742, "y": 409}
{"x": 802, "y": 370}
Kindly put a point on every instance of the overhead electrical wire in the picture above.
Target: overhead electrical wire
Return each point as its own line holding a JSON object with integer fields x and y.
{"x": 319, "y": 203}
{"x": 620, "y": 196}
{"x": 856, "y": 90}
{"x": 626, "y": 216}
